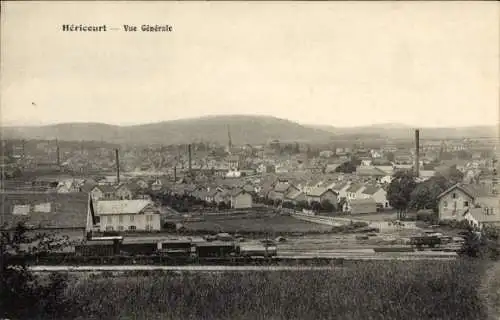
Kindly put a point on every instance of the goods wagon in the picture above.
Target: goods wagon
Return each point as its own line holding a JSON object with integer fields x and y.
{"x": 176, "y": 248}
{"x": 257, "y": 251}
{"x": 215, "y": 250}
{"x": 101, "y": 248}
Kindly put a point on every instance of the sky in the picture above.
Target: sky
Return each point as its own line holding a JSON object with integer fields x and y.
{"x": 329, "y": 63}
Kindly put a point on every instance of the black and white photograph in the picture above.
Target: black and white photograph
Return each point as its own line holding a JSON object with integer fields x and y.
{"x": 249, "y": 160}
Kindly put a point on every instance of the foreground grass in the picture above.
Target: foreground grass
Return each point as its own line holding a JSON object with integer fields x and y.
{"x": 368, "y": 290}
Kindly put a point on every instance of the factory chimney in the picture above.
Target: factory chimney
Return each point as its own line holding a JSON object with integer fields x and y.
{"x": 117, "y": 157}
{"x": 417, "y": 153}
{"x": 190, "y": 159}
{"x": 58, "y": 155}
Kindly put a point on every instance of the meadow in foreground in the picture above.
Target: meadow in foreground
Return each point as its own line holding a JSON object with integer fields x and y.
{"x": 367, "y": 290}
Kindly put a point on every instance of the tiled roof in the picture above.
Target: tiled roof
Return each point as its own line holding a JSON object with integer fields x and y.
{"x": 49, "y": 210}
{"x": 106, "y": 188}
{"x": 340, "y": 186}
{"x": 480, "y": 215}
{"x": 294, "y": 194}
{"x": 362, "y": 201}
{"x": 370, "y": 190}
{"x": 355, "y": 187}
{"x": 369, "y": 171}
{"x": 317, "y": 192}
{"x": 281, "y": 187}
{"x": 472, "y": 190}
{"x": 121, "y": 206}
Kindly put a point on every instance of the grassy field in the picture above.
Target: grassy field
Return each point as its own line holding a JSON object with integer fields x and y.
{"x": 368, "y": 290}
{"x": 272, "y": 224}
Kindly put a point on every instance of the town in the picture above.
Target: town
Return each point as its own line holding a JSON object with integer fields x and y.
{"x": 277, "y": 188}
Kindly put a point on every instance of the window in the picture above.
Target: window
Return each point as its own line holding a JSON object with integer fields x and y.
{"x": 149, "y": 218}
{"x": 132, "y": 218}
{"x": 466, "y": 203}
{"x": 132, "y": 228}
{"x": 109, "y": 228}
{"x": 454, "y": 195}
{"x": 120, "y": 219}
{"x": 445, "y": 204}
{"x": 120, "y": 228}
{"x": 110, "y": 219}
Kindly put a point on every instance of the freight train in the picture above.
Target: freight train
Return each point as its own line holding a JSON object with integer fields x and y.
{"x": 175, "y": 249}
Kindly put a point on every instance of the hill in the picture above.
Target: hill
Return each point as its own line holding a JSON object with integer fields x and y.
{"x": 400, "y": 131}
{"x": 244, "y": 129}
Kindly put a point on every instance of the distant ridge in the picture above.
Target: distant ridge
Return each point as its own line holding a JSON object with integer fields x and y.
{"x": 245, "y": 129}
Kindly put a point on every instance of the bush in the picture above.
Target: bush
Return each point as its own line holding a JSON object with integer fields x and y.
{"x": 429, "y": 217}
{"x": 455, "y": 224}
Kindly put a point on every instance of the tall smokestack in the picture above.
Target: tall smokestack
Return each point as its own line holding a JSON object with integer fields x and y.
{"x": 190, "y": 159}
{"x": 117, "y": 156}
{"x": 417, "y": 153}
{"x": 58, "y": 155}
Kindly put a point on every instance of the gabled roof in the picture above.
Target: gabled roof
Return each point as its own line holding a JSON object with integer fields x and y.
{"x": 340, "y": 186}
{"x": 355, "y": 187}
{"x": 294, "y": 194}
{"x": 282, "y": 187}
{"x": 237, "y": 191}
{"x": 480, "y": 215}
{"x": 371, "y": 190}
{"x": 132, "y": 186}
{"x": 319, "y": 191}
{"x": 369, "y": 171}
{"x": 473, "y": 191}
{"x": 105, "y": 188}
{"x": 106, "y": 207}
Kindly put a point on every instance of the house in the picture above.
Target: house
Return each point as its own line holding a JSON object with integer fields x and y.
{"x": 321, "y": 194}
{"x": 210, "y": 195}
{"x": 370, "y": 171}
{"x": 482, "y": 216}
{"x": 360, "y": 206}
{"x": 354, "y": 191}
{"x": 295, "y": 196}
{"x": 376, "y": 193}
{"x": 280, "y": 191}
{"x": 127, "y": 191}
{"x": 69, "y": 186}
{"x": 222, "y": 196}
{"x": 132, "y": 215}
{"x": 104, "y": 192}
{"x": 240, "y": 199}
{"x": 454, "y": 202}
{"x": 341, "y": 189}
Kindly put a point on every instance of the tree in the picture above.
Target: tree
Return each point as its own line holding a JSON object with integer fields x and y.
{"x": 302, "y": 205}
{"x": 425, "y": 194}
{"x": 23, "y": 294}
{"x": 327, "y": 206}
{"x": 316, "y": 206}
{"x": 399, "y": 191}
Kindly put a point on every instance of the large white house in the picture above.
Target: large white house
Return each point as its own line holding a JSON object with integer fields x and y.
{"x": 122, "y": 215}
